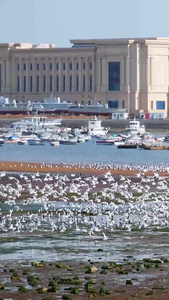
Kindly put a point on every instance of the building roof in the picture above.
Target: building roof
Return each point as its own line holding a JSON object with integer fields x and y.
{"x": 142, "y": 40}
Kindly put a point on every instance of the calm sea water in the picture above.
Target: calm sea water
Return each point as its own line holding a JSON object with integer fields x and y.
{"x": 87, "y": 152}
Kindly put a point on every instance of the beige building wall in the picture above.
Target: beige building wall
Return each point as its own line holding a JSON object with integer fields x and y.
{"x": 81, "y": 73}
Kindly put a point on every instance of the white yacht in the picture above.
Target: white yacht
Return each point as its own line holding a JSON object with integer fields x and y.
{"x": 134, "y": 129}
{"x": 95, "y": 128}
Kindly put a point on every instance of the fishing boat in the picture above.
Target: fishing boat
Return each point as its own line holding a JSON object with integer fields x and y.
{"x": 134, "y": 129}
{"x": 96, "y": 129}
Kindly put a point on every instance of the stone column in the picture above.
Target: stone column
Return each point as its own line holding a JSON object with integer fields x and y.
{"x": 13, "y": 76}
{"x": 73, "y": 75}
{"x": 67, "y": 75}
{"x": 33, "y": 76}
{"x": 128, "y": 78}
{"x": 27, "y": 76}
{"x": 53, "y": 76}
{"x": 80, "y": 74}
{"x": 93, "y": 75}
{"x": 60, "y": 75}
{"x": 21, "y": 75}
{"x": 87, "y": 67}
{"x": 47, "y": 75}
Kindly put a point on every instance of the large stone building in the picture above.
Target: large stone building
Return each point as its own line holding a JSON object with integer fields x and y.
{"x": 125, "y": 73}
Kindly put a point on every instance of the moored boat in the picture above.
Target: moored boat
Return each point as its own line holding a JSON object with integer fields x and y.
{"x": 128, "y": 146}
{"x": 55, "y": 143}
{"x": 22, "y": 142}
{"x": 155, "y": 147}
{"x": 36, "y": 142}
{"x": 104, "y": 142}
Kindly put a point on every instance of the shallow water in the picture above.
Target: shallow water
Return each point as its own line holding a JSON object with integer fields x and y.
{"x": 75, "y": 242}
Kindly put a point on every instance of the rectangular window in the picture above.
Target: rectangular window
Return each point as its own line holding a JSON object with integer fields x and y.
{"x": 44, "y": 83}
{"x": 50, "y": 83}
{"x": 18, "y": 67}
{"x": 114, "y": 76}
{"x": 37, "y": 67}
{"x": 37, "y": 83}
{"x": 57, "y": 66}
{"x": 70, "y": 83}
{"x": 84, "y": 83}
{"x": 31, "y": 67}
{"x": 18, "y": 84}
{"x": 64, "y": 83}
{"x": 123, "y": 104}
{"x": 44, "y": 67}
{"x": 24, "y": 67}
{"x": 151, "y": 104}
{"x": 57, "y": 83}
{"x": 77, "y": 83}
{"x": 91, "y": 83}
{"x": 90, "y": 65}
{"x": 113, "y": 104}
{"x": 84, "y": 66}
{"x": 31, "y": 84}
{"x": 70, "y": 66}
{"x": 63, "y": 66}
{"x": 24, "y": 83}
{"x": 50, "y": 66}
{"x": 77, "y": 66}
{"x": 160, "y": 104}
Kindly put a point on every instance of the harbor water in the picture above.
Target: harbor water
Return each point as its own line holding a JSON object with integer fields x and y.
{"x": 87, "y": 152}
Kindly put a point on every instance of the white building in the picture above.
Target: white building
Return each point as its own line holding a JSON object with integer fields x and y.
{"x": 125, "y": 73}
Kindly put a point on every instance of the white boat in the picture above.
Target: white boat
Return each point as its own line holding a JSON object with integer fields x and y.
{"x": 36, "y": 142}
{"x": 96, "y": 129}
{"x": 122, "y": 142}
{"x": 134, "y": 129}
{"x": 69, "y": 141}
{"x": 55, "y": 143}
{"x": 81, "y": 138}
{"x": 1, "y": 141}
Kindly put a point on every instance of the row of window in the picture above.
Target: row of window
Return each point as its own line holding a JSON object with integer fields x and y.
{"x": 57, "y": 82}
{"x": 115, "y": 104}
{"x": 44, "y": 66}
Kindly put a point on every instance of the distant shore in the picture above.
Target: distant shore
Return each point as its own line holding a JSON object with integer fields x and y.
{"x": 31, "y": 167}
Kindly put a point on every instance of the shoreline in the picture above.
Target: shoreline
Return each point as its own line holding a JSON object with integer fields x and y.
{"x": 61, "y": 168}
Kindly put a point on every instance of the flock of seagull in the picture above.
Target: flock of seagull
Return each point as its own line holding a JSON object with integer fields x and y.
{"x": 86, "y": 204}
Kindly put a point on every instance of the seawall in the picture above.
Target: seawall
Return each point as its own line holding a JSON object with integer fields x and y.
{"x": 116, "y": 125}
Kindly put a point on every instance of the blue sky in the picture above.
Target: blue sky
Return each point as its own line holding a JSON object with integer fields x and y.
{"x": 58, "y": 21}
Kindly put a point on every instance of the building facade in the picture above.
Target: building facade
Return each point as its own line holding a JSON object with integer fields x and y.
{"x": 123, "y": 73}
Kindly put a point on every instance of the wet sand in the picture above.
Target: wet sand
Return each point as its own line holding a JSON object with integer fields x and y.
{"x": 30, "y": 167}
